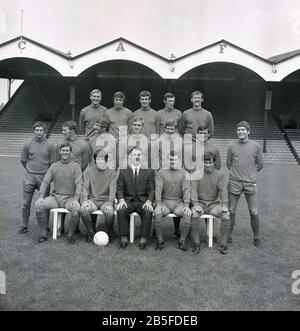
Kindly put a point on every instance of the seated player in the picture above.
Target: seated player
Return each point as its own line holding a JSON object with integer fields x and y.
{"x": 244, "y": 160}
{"x": 66, "y": 176}
{"x": 208, "y": 196}
{"x": 170, "y": 140}
{"x": 98, "y": 193}
{"x": 172, "y": 192}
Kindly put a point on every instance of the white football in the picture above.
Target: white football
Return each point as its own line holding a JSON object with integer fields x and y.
{"x": 101, "y": 238}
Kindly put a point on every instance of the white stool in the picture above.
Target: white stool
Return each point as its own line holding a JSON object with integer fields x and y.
{"x": 209, "y": 228}
{"x": 57, "y": 212}
{"x": 132, "y": 225}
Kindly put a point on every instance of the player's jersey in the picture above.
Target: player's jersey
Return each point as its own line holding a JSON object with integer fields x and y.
{"x": 99, "y": 184}
{"x": 172, "y": 185}
{"x": 165, "y": 115}
{"x": 67, "y": 179}
{"x": 193, "y": 118}
{"x": 211, "y": 187}
{"x": 38, "y": 155}
{"x": 244, "y": 160}
{"x": 151, "y": 122}
{"x": 118, "y": 118}
{"x": 89, "y": 116}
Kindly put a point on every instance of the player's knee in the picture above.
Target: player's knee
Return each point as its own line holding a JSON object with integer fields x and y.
{"x": 26, "y": 204}
{"x": 157, "y": 212}
{"x": 253, "y": 211}
{"x": 225, "y": 216}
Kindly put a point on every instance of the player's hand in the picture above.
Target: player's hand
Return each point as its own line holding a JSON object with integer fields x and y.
{"x": 85, "y": 207}
{"x": 225, "y": 209}
{"x": 40, "y": 203}
{"x": 186, "y": 211}
{"x": 198, "y": 209}
{"x": 122, "y": 204}
{"x": 148, "y": 205}
{"x": 159, "y": 208}
{"x": 109, "y": 210}
{"x": 75, "y": 205}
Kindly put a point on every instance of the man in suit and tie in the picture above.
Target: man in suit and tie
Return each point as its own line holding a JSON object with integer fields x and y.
{"x": 135, "y": 193}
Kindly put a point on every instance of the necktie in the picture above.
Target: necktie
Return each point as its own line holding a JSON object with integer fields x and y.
{"x": 135, "y": 174}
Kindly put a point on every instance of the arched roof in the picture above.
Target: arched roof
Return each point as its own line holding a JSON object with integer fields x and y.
{"x": 173, "y": 68}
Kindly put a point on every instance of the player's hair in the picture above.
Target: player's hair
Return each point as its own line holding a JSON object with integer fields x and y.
{"x": 95, "y": 91}
{"x": 195, "y": 93}
{"x": 168, "y": 95}
{"x": 105, "y": 122}
{"x": 39, "y": 124}
{"x": 209, "y": 156}
{"x": 65, "y": 145}
{"x": 138, "y": 119}
{"x": 120, "y": 95}
{"x": 243, "y": 124}
{"x": 135, "y": 147}
{"x": 71, "y": 125}
{"x": 104, "y": 154}
{"x": 145, "y": 94}
{"x": 170, "y": 122}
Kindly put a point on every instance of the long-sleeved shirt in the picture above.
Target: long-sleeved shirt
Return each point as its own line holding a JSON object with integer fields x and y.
{"x": 89, "y": 116}
{"x": 165, "y": 115}
{"x": 99, "y": 184}
{"x": 211, "y": 187}
{"x": 117, "y": 118}
{"x": 38, "y": 155}
{"x": 67, "y": 179}
{"x": 172, "y": 185}
{"x": 166, "y": 143}
{"x": 151, "y": 121}
{"x": 193, "y": 118}
{"x": 244, "y": 160}
{"x": 80, "y": 150}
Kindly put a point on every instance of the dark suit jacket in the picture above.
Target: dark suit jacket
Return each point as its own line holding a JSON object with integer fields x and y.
{"x": 142, "y": 191}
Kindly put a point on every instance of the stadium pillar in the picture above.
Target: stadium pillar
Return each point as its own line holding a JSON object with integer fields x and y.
{"x": 268, "y": 106}
{"x": 72, "y": 101}
{"x": 9, "y": 81}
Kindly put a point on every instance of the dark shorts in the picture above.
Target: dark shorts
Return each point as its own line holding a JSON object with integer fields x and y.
{"x": 238, "y": 187}
{"x": 32, "y": 181}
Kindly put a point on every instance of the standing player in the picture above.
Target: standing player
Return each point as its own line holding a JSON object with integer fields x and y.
{"x": 66, "y": 176}
{"x": 168, "y": 113}
{"x": 196, "y": 116}
{"x": 118, "y": 115}
{"x": 151, "y": 120}
{"x": 91, "y": 115}
{"x": 36, "y": 157}
{"x": 244, "y": 160}
{"x": 208, "y": 196}
{"x": 80, "y": 148}
{"x": 172, "y": 193}
{"x": 98, "y": 192}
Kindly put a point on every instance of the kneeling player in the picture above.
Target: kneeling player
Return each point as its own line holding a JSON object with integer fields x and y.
{"x": 98, "y": 193}
{"x": 172, "y": 192}
{"x": 66, "y": 176}
{"x": 208, "y": 196}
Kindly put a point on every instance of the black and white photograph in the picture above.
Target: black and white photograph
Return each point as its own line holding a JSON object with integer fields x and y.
{"x": 149, "y": 158}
